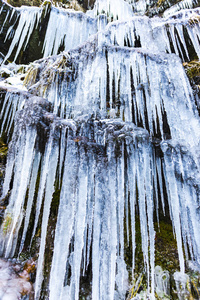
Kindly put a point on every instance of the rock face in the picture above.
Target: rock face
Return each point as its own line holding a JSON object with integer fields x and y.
{"x": 77, "y": 4}
{"x": 103, "y": 161}
{"x": 24, "y": 2}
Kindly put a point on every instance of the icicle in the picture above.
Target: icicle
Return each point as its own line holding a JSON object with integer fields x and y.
{"x": 12, "y": 103}
{"x": 89, "y": 212}
{"x": 160, "y": 181}
{"x": 62, "y": 152}
{"x": 49, "y": 189}
{"x": 110, "y": 213}
{"x": 114, "y": 9}
{"x": 180, "y": 5}
{"x": 132, "y": 188}
{"x": 142, "y": 209}
{"x": 150, "y": 210}
{"x": 28, "y": 18}
{"x": 194, "y": 34}
{"x": 80, "y": 224}
{"x": 43, "y": 180}
{"x": 64, "y": 28}
{"x": 65, "y": 225}
{"x": 173, "y": 198}
{"x": 22, "y": 168}
{"x": 31, "y": 193}
{"x": 5, "y": 20}
{"x": 179, "y": 28}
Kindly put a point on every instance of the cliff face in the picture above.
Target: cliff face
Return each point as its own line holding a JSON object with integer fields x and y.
{"x": 101, "y": 182}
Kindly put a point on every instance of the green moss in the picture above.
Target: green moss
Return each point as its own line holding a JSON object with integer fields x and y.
{"x": 7, "y": 223}
{"x": 194, "y": 20}
{"x": 31, "y": 76}
{"x": 18, "y": 3}
{"x": 166, "y": 254}
{"x": 192, "y": 68}
{"x": 55, "y": 201}
{"x": 161, "y": 3}
{"x": 3, "y": 150}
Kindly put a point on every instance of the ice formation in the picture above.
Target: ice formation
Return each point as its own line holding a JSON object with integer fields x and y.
{"x": 63, "y": 28}
{"x": 179, "y": 6}
{"x": 66, "y": 29}
{"x": 107, "y": 132}
{"x": 115, "y": 9}
{"x": 87, "y": 196}
{"x": 139, "y": 86}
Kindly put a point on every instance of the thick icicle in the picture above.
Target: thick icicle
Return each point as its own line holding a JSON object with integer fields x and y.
{"x": 67, "y": 28}
{"x": 23, "y": 162}
{"x": 49, "y": 189}
{"x": 29, "y": 17}
{"x": 13, "y": 102}
{"x": 182, "y": 178}
{"x": 65, "y": 226}
{"x": 31, "y": 193}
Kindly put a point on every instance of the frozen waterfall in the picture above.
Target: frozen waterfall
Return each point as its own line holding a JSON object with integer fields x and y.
{"x": 102, "y": 142}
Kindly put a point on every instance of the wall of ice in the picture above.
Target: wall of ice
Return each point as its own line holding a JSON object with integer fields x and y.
{"x": 54, "y": 30}
{"x": 108, "y": 132}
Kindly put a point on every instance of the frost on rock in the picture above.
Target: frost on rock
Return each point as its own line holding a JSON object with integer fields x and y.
{"x": 13, "y": 281}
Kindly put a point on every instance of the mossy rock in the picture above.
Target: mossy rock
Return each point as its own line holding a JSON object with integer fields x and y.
{"x": 18, "y": 3}
{"x": 74, "y": 4}
{"x": 192, "y": 69}
{"x": 166, "y": 253}
{"x": 3, "y": 151}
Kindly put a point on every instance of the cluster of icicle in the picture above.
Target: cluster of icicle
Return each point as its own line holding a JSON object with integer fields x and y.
{"x": 172, "y": 35}
{"x": 103, "y": 163}
{"x": 184, "y": 4}
{"x": 63, "y": 28}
